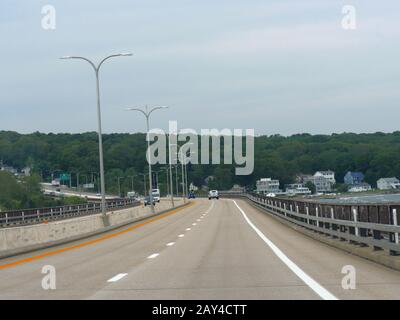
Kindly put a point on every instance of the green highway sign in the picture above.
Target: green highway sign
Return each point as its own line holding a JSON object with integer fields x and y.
{"x": 65, "y": 177}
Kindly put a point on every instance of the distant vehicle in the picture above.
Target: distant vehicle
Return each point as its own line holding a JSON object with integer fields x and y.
{"x": 213, "y": 194}
{"x": 55, "y": 183}
{"x": 146, "y": 201}
{"x": 191, "y": 195}
{"x": 271, "y": 195}
{"x": 131, "y": 195}
{"x": 156, "y": 194}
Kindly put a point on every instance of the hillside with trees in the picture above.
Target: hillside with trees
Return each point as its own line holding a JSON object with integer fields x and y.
{"x": 376, "y": 155}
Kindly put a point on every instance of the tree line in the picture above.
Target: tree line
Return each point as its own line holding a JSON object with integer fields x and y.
{"x": 375, "y": 154}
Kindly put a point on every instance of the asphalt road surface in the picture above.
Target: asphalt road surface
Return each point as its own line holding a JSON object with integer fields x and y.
{"x": 218, "y": 249}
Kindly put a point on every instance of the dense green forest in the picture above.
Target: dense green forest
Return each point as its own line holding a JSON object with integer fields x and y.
{"x": 26, "y": 193}
{"x": 376, "y": 155}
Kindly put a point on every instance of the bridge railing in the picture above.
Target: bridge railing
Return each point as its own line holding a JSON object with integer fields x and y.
{"x": 375, "y": 225}
{"x": 38, "y": 215}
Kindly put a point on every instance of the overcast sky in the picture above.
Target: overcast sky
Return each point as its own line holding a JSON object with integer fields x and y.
{"x": 276, "y": 66}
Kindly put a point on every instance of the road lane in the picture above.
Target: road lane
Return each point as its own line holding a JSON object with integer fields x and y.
{"x": 83, "y": 271}
{"x": 221, "y": 258}
{"x": 324, "y": 263}
{"x": 207, "y": 251}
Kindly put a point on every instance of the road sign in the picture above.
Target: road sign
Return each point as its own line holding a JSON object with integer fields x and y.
{"x": 88, "y": 186}
{"x": 65, "y": 177}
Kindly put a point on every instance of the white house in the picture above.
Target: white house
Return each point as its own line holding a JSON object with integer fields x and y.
{"x": 388, "y": 183}
{"x": 360, "y": 187}
{"x": 328, "y": 175}
{"x": 321, "y": 183}
{"x": 297, "y": 188}
{"x": 267, "y": 185}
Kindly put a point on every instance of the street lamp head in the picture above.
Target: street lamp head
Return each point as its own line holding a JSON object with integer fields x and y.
{"x": 126, "y": 54}
{"x": 66, "y": 57}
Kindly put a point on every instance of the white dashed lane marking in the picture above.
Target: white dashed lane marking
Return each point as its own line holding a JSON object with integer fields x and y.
{"x": 152, "y": 256}
{"x": 119, "y": 276}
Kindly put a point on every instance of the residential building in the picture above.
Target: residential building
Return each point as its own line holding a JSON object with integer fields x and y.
{"x": 321, "y": 183}
{"x": 329, "y": 175}
{"x": 192, "y": 187}
{"x": 388, "y": 183}
{"x": 296, "y": 188}
{"x": 267, "y": 185}
{"x": 238, "y": 188}
{"x": 353, "y": 178}
{"x": 9, "y": 169}
{"x": 26, "y": 171}
{"x": 360, "y": 187}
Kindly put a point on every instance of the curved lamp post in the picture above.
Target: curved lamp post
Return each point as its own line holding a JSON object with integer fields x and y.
{"x": 146, "y": 112}
{"x": 96, "y": 70}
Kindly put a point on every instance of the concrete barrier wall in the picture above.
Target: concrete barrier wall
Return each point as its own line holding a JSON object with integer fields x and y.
{"x": 17, "y": 240}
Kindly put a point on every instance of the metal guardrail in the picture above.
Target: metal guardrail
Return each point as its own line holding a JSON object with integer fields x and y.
{"x": 39, "y": 215}
{"x": 373, "y": 225}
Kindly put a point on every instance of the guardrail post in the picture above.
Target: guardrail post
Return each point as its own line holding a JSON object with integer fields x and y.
{"x": 317, "y": 216}
{"x": 23, "y": 216}
{"x": 6, "y": 218}
{"x": 396, "y": 234}
{"x": 38, "y": 214}
{"x": 284, "y": 209}
{"x": 333, "y": 226}
{"x": 307, "y": 214}
{"x": 355, "y": 220}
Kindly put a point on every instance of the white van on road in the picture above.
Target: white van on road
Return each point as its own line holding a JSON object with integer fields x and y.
{"x": 213, "y": 194}
{"x": 155, "y": 193}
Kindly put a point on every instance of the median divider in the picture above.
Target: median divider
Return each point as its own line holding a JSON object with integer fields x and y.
{"x": 24, "y": 239}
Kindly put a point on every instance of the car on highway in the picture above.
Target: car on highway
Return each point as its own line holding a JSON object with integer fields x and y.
{"x": 191, "y": 195}
{"x": 213, "y": 194}
{"x": 156, "y": 194}
{"x": 146, "y": 201}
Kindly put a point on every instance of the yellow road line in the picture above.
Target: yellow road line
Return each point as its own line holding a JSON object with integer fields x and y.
{"x": 87, "y": 243}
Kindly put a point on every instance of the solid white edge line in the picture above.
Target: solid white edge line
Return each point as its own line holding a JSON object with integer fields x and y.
{"x": 152, "y": 256}
{"x": 314, "y": 285}
{"x": 119, "y": 276}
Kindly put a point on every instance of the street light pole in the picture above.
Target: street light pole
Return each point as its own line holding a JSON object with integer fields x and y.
{"x": 119, "y": 186}
{"x": 144, "y": 182}
{"x": 96, "y": 70}
{"x": 176, "y": 179}
{"x": 147, "y": 114}
{"x": 170, "y": 173}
